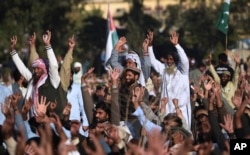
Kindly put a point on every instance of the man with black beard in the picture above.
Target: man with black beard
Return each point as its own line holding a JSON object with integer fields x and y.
{"x": 129, "y": 82}
{"x": 45, "y": 79}
{"x": 228, "y": 86}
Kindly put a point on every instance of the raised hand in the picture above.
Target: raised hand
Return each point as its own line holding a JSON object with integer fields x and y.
{"x": 228, "y": 123}
{"x": 13, "y": 41}
{"x": 66, "y": 110}
{"x": 26, "y": 108}
{"x": 71, "y": 42}
{"x": 45, "y": 146}
{"x": 29, "y": 150}
{"x": 156, "y": 143}
{"x": 145, "y": 46}
{"x": 8, "y": 123}
{"x": 41, "y": 107}
{"x": 164, "y": 102}
{"x": 137, "y": 97}
{"x": 175, "y": 102}
{"x": 6, "y": 107}
{"x": 138, "y": 94}
{"x": 150, "y": 37}
{"x": 114, "y": 74}
{"x": 112, "y": 133}
{"x": 174, "y": 38}
{"x": 236, "y": 58}
{"x": 87, "y": 74}
{"x": 32, "y": 40}
{"x": 200, "y": 92}
{"x": 119, "y": 47}
{"x": 66, "y": 149}
{"x": 46, "y": 38}
{"x": 217, "y": 88}
{"x": 98, "y": 148}
{"x": 20, "y": 148}
{"x": 208, "y": 85}
{"x": 15, "y": 98}
{"x": 59, "y": 127}
{"x": 237, "y": 98}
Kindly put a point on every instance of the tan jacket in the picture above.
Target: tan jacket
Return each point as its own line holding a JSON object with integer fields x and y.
{"x": 229, "y": 90}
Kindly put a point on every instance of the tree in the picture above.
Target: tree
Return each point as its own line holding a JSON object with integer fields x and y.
{"x": 137, "y": 25}
{"x": 197, "y": 28}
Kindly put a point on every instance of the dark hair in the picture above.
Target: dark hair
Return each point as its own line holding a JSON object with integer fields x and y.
{"x": 37, "y": 140}
{"x": 16, "y": 75}
{"x": 33, "y": 124}
{"x": 196, "y": 109}
{"x": 92, "y": 125}
{"x": 153, "y": 99}
{"x": 153, "y": 71}
{"x": 201, "y": 64}
{"x": 204, "y": 137}
{"x": 175, "y": 56}
{"x": 102, "y": 105}
{"x": 175, "y": 118}
{"x": 222, "y": 57}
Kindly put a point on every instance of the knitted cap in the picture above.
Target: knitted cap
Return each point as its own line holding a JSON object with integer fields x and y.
{"x": 133, "y": 69}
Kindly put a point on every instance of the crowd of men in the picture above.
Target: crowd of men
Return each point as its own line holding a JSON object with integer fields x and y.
{"x": 145, "y": 105}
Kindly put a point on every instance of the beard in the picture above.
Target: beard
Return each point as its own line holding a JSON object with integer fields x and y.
{"x": 25, "y": 84}
{"x": 223, "y": 83}
{"x": 171, "y": 69}
{"x": 129, "y": 83}
{"x": 35, "y": 79}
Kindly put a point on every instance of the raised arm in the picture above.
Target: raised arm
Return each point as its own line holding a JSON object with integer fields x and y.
{"x": 212, "y": 70}
{"x": 33, "y": 53}
{"x": 115, "y": 106}
{"x": 89, "y": 106}
{"x": 183, "y": 65}
{"x": 25, "y": 72}
{"x": 119, "y": 48}
{"x": 145, "y": 61}
{"x": 65, "y": 69}
{"x": 53, "y": 65}
{"x": 235, "y": 79}
{"x": 85, "y": 122}
{"x": 158, "y": 66}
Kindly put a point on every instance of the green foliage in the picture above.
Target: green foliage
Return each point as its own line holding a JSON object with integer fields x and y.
{"x": 65, "y": 18}
{"x": 197, "y": 29}
{"x": 137, "y": 25}
{"x": 23, "y": 17}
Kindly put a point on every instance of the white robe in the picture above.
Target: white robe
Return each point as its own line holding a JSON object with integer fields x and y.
{"x": 175, "y": 85}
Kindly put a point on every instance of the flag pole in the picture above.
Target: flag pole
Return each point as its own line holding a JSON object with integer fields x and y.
{"x": 226, "y": 42}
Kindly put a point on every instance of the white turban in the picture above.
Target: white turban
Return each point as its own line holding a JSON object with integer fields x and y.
{"x": 135, "y": 58}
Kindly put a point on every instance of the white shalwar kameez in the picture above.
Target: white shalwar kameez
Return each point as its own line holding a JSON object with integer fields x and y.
{"x": 175, "y": 85}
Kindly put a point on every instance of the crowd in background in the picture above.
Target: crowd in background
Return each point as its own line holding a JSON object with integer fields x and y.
{"x": 176, "y": 105}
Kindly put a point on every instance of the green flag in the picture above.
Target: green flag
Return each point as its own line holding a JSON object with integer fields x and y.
{"x": 222, "y": 23}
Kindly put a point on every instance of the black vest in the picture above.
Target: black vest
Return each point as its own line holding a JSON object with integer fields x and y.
{"x": 52, "y": 94}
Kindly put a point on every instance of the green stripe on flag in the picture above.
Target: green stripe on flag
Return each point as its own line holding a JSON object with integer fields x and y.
{"x": 114, "y": 38}
{"x": 222, "y": 23}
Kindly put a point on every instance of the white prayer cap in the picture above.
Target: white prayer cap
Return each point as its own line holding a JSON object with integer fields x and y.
{"x": 77, "y": 64}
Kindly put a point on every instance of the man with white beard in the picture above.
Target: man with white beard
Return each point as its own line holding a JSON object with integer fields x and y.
{"x": 175, "y": 78}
